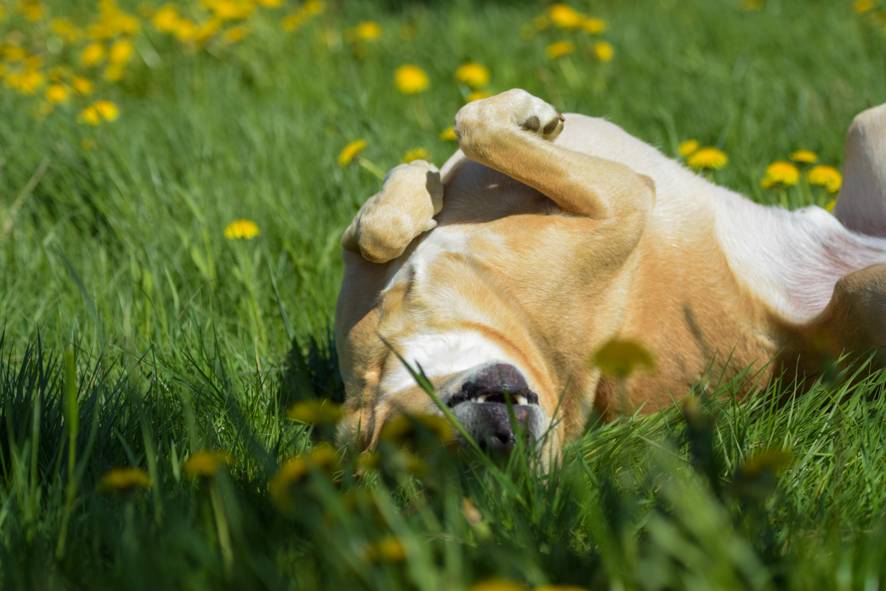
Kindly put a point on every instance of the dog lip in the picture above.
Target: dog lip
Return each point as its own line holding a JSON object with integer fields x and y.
{"x": 488, "y": 396}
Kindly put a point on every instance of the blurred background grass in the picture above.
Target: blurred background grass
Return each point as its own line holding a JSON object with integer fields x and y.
{"x": 137, "y": 334}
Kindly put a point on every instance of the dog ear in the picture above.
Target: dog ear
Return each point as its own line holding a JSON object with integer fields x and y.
{"x": 861, "y": 205}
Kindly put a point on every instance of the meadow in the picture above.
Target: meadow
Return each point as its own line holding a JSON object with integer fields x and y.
{"x": 174, "y": 181}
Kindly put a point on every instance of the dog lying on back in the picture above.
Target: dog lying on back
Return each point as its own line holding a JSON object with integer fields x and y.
{"x": 559, "y": 233}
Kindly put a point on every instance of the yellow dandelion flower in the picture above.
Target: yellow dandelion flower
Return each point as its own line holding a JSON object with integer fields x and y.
{"x": 415, "y": 154}
{"x": 593, "y": 25}
{"x": 478, "y": 95}
{"x": 497, "y": 585}
{"x": 242, "y": 229}
{"x": 863, "y": 6}
{"x": 564, "y": 16}
{"x": 124, "y": 480}
{"x": 82, "y": 86}
{"x": 92, "y": 55}
{"x": 365, "y": 31}
{"x": 558, "y": 49}
{"x": 780, "y": 172}
{"x": 235, "y": 34}
{"x": 351, "y": 151}
{"x": 27, "y": 82}
{"x": 206, "y": 463}
{"x": 120, "y": 52}
{"x": 621, "y": 357}
{"x": 166, "y": 18}
{"x": 411, "y": 79}
{"x": 473, "y": 74}
{"x": 708, "y": 158}
{"x": 32, "y": 10}
{"x": 229, "y": 10}
{"x": 388, "y": 549}
{"x": 825, "y": 176}
{"x": 314, "y": 412}
{"x": 65, "y": 30}
{"x": 322, "y": 458}
{"x": 804, "y": 156}
{"x": 270, "y": 3}
{"x": 57, "y": 93}
{"x": 752, "y": 5}
{"x": 449, "y": 135}
{"x": 14, "y": 53}
{"x": 688, "y": 147}
{"x": 205, "y": 30}
{"x": 404, "y": 429}
{"x": 830, "y": 205}
{"x": 604, "y": 51}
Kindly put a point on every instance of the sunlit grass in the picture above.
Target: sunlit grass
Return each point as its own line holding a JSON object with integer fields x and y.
{"x": 174, "y": 181}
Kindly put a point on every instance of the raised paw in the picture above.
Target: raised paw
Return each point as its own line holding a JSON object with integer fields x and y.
{"x": 395, "y": 216}
{"x": 478, "y": 123}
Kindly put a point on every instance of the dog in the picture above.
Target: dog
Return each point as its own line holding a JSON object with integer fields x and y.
{"x": 546, "y": 236}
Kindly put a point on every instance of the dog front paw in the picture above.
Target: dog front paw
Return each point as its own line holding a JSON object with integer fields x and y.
{"x": 477, "y": 122}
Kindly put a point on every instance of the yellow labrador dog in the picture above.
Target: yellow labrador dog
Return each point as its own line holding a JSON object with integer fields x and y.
{"x": 546, "y": 235}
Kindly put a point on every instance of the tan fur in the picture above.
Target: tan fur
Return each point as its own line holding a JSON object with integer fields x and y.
{"x": 563, "y": 251}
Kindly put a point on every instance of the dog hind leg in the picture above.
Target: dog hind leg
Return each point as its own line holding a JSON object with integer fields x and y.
{"x": 861, "y": 206}
{"x": 391, "y": 219}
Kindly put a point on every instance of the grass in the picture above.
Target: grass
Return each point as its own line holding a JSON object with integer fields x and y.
{"x": 135, "y": 334}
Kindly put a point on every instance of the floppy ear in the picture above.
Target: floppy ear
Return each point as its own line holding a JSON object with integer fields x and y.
{"x": 855, "y": 318}
{"x": 861, "y": 205}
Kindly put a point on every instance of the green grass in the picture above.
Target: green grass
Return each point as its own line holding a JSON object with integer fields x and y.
{"x": 136, "y": 334}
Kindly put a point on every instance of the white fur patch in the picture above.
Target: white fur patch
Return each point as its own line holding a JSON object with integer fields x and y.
{"x": 441, "y": 354}
{"x": 791, "y": 259}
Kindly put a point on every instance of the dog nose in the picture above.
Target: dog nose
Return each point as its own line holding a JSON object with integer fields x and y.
{"x": 491, "y": 404}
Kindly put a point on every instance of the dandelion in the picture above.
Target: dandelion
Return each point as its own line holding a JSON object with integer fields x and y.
{"x": 688, "y": 147}
{"x": 322, "y": 458}
{"x": 564, "y": 16}
{"x": 120, "y": 52}
{"x": 558, "y": 49}
{"x": 365, "y": 31}
{"x": 708, "y": 158}
{"x": 497, "y": 585}
{"x": 863, "y": 6}
{"x": 448, "y": 135}
{"x": 621, "y": 357}
{"x": 235, "y": 34}
{"x": 351, "y": 151}
{"x": 166, "y": 18}
{"x": 270, "y": 3}
{"x": 780, "y": 172}
{"x": 82, "y": 86}
{"x": 124, "y": 480}
{"x": 593, "y": 25}
{"x": 411, "y": 79}
{"x": 57, "y": 93}
{"x": 32, "y": 10}
{"x": 804, "y": 156}
{"x": 65, "y": 30}
{"x": 478, "y": 95}
{"x": 27, "y": 82}
{"x": 830, "y": 205}
{"x": 92, "y": 55}
{"x": 388, "y": 549}
{"x": 98, "y": 112}
{"x": 205, "y": 464}
{"x": 604, "y": 51}
{"x": 415, "y": 154}
{"x": 473, "y": 74}
{"x": 405, "y": 429}
{"x": 315, "y": 412}
{"x": 242, "y": 229}
{"x": 825, "y": 176}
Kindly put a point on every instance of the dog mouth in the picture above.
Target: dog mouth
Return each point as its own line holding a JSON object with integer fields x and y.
{"x": 496, "y": 406}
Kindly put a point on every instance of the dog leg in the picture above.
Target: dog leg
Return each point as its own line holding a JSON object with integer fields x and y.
{"x": 861, "y": 205}
{"x": 392, "y": 218}
{"x": 511, "y": 133}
